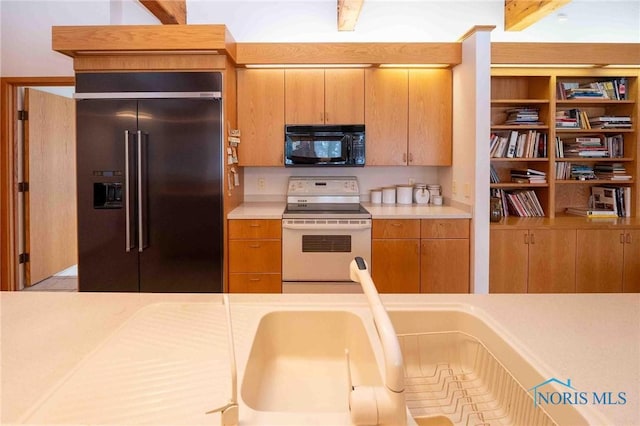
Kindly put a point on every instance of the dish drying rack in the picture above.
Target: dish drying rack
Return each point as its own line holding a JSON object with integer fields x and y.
{"x": 451, "y": 374}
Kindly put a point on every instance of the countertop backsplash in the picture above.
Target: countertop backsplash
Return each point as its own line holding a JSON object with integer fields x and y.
{"x": 265, "y": 184}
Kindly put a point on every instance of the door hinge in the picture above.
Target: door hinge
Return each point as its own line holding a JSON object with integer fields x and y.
{"x": 23, "y": 115}
{"x": 23, "y": 258}
{"x": 23, "y": 186}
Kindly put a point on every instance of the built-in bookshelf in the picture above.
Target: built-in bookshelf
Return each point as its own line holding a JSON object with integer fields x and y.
{"x": 588, "y": 120}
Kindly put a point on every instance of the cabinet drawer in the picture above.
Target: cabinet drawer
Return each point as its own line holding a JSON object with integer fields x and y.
{"x": 255, "y": 283}
{"x": 242, "y": 229}
{"x": 255, "y": 256}
{"x": 395, "y": 228}
{"x": 444, "y": 228}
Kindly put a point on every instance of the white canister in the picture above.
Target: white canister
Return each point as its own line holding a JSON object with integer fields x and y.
{"x": 421, "y": 194}
{"x": 404, "y": 194}
{"x": 434, "y": 190}
{"x": 376, "y": 196}
{"x": 389, "y": 195}
{"x": 437, "y": 200}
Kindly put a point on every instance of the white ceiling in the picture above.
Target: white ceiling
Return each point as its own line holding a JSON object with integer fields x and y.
{"x": 414, "y": 20}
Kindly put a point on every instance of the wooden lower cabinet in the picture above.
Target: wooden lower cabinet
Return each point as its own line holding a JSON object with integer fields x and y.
{"x": 631, "y": 264}
{"x": 533, "y": 261}
{"x": 444, "y": 265}
{"x": 427, "y": 255}
{"x": 395, "y": 255}
{"x": 255, "y": 256}
{"x": 395, "y": 265}
{"x": 608, "y": 261}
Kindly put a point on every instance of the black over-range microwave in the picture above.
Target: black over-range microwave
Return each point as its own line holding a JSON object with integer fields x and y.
{"x": 324, "y": 145}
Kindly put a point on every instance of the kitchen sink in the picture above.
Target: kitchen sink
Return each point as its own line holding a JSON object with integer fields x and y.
{"x": 460, "y": 370}
{"x": 297, "y": 361}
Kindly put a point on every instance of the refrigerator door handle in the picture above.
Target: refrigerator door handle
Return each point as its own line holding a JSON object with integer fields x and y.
{"x": 141, "y": 217}
{"x": 127, "y": 186}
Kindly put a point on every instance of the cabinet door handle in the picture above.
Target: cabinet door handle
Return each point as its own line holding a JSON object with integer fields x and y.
{"x": 622, "y": 238}
{"x": 322, "y": 117}
{"x": 326, "y": 117}
{"x": 526, "y": 238}
{"x": 629, "y": 238}
{"x": 533, "y": 239}
{"x": 254, "y": 245}
{"x": 404, "y": 157}
{"x": 411, "y": 157}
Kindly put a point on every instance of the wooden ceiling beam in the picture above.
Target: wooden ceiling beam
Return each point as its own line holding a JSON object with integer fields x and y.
{"x": 348, "y": 13}
{"x": 168, "y": 11}
{"x": 519, "y": 14}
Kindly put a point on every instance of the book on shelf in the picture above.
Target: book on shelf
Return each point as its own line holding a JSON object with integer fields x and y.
{"x": 614, "y": 89}
{"x": 613, "y": 171}
{"x": 590, "y": 146}
{"x": 493, "y": 175}
{"x": 589, "y": 212}
{"x": 523, "y": 203}
{"x": 523, "y": 116}
{"x": 573, "y": 118}
{"x": 614, "y": 198}
{"x": 515, "y": 144}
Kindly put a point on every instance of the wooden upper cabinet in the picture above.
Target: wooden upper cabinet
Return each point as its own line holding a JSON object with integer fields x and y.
{"x": 386, "y": 115}
{"x": 317, "y": 96}
{"x": 344, "y": 96}
{"x": 304, "y": 96}
{"x": 430, "y": 117}
{"x": 261, "y": 117}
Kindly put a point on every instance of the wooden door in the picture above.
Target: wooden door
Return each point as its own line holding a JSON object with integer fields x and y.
{"x": 386, "y": 115}
{"x": 444, "y": 265}
{"x": 50, "y": 169}
{"x": 552, "y": 261}
{"x": 508, "y": 261}
{"x": 430, "y": 115}
{"x": 344, "y": 96}
{"x": 631, "y": 270}
{"x": 304, "y": 96}
{"x": 395, "y": 265}
{"x": 261, "y": 117}
{"x": 599, "y": 260}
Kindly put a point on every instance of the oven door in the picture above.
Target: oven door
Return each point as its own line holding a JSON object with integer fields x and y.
{"x": 321, "y": 250}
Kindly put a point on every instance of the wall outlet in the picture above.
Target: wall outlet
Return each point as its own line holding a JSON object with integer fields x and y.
{"x": 261, "y": 184}
{"x": 412, "y": 181}
{"x": 467, "y": 190}
{"x": 454, "y": 188}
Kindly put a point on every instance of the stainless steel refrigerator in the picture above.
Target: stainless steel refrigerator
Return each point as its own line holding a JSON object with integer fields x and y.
{"x": 149, "y": 169}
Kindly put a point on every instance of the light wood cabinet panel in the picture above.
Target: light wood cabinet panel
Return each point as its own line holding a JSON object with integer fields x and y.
{"x": 386, "y": 115}
{"x": 304, "y": 96}
{"x": 344, "y": 96}
{"x": 508, "y": 261}
{"x": 255, "y": 229}
{"x": 599, "y": 260}
{"x": 631, "y": 270}
{"x": 261, "y": 117}
{"x": 430, "y": 117}
{"x": 444, "y": 228}
{"x": 395, "y": 265}
{"x": 552, "y": 261}
{"x": 395, "y": 228}
{"x": 255, "y": 256}
{"x": 444, "y": 265}
{"x": 255, "y": 283}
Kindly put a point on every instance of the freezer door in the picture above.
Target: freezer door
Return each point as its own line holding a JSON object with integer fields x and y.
{"x": 181, "y": 195}
{"x": 107, "y": 261}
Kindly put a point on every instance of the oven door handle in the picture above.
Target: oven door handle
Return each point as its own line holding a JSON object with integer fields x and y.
{"x": 324, "y": 227}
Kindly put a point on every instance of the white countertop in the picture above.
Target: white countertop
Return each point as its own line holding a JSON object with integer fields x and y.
{"x": 592, "y": 339}
{"x": 274, "y": 210}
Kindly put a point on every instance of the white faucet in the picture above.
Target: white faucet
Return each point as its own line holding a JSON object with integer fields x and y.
{"x": 379, "y": 405}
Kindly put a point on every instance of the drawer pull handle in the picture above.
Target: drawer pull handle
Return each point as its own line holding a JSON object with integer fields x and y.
{"x": 254, "y": 279}
{"x": 255, "y": 225}
{"x": 254, "y": 245}
{"x": 396, "y": 224}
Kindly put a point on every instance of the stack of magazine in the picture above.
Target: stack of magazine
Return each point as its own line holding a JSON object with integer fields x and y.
{"x": 606, "y": 202}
